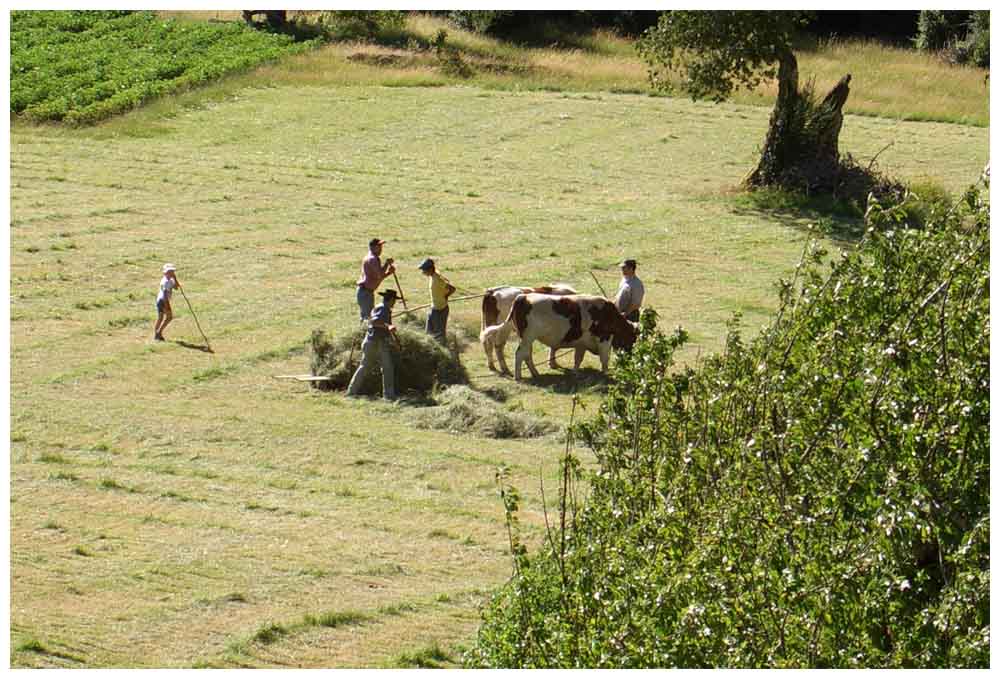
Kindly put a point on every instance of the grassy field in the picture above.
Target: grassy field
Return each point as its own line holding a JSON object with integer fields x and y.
{"x": 172, "y": 507}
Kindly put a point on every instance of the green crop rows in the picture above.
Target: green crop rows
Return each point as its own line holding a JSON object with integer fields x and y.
{"x": 81, "y": 67}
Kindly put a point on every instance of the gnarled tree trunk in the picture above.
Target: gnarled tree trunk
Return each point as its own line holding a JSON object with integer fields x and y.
{"x": 275, "y": 18}
{"x": 801, "y": 146}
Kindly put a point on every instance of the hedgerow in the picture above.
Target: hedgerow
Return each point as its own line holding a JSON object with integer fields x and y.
{"x": 815, "y": 497}
{"x": 80, "y": 67}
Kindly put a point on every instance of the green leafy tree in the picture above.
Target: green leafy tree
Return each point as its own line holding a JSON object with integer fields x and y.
{"x": 716, "y": 52}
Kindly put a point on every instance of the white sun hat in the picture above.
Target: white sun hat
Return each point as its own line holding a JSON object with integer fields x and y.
{"x": 169, "y": 267}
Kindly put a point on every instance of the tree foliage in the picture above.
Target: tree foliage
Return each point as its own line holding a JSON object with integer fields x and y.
{"x": 815, "y": 497}
{"x": 716, "y": 52}
{"x": 482, "y": 20}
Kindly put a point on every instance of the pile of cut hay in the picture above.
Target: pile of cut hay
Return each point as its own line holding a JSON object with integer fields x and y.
{"x": 462, "y": 410}
{"x": 421, "y": 363}
{"x": 457, "y": 338}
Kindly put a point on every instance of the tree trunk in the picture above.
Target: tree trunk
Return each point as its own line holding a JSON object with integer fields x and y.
{"x": 801, "y": 146}
{"x": 275, "y": 18}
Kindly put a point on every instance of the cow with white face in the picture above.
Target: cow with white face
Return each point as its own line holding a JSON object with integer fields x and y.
{"x": 583, "y": 322}
{"x": 496, "y": 307}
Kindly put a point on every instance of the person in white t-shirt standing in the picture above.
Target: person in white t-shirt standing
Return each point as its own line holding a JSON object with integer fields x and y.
{"x": 628, "y": 299}
{"x": 164, "y": 314}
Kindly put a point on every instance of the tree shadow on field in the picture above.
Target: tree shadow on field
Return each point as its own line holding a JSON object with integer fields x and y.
{"x": 834, "y": 220}
{"x": 199, "y": 347}
{"x": 569, "y": 381}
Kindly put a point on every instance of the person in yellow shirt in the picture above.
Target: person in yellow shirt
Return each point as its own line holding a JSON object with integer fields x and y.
{"x": 441, "y": 290}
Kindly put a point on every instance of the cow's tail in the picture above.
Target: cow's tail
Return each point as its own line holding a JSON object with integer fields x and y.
{"x": 490, "y": 311}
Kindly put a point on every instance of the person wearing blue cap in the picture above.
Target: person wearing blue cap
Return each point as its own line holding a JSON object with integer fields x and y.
{"x": 376, "y": 349}
{"x": 441, "y": 289}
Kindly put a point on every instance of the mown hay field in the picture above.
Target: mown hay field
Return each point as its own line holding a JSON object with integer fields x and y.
{"x": 172, "y": 507}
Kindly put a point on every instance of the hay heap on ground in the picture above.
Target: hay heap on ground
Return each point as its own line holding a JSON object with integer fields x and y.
{"x": 465, "y": 411}
{"x": 458, "y": 337}
{"x": 421, "y": 363}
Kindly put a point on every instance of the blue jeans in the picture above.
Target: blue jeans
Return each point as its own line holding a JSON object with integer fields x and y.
{"x": 366, "y": 302}
{"x": 437, "y": 324}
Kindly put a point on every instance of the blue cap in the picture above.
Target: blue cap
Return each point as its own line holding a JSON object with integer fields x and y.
{"x": 426, "y": 264}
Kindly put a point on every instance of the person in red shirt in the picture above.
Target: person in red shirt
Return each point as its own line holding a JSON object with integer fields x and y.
{"x": 373, "y": 272}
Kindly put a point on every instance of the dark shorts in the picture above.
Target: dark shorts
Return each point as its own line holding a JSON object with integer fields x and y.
{"x": 162, "y": 306}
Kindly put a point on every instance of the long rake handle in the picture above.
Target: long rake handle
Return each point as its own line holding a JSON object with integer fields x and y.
{"x": 402, "y": 297}
{"x": 195, "y": 316}
{"x": 450, "y": 300}
{"x": 599, "y": 286}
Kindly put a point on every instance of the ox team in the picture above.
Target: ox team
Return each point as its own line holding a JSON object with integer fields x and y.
{"x": 555, "y": 315}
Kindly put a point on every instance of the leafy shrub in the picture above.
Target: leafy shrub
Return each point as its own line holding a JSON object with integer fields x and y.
{"x": 936, "y": 29}
{"x": 449, "y": 58}
{"x": 81, "y": 67}
{"x": 926, "y": 202}
{"x": 977, "y": 40}
{"x": 963, "y": 36}
{"x": 362, "y": 24}
{"x": 815, "y": 497}
{"x": 480, "y": 21}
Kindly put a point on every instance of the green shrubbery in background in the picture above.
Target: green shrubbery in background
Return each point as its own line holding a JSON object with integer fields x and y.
{"x": 362, "y": 24}
{"x": 815, "y": 497}
{"x": 84, "y": 66}
{"x": 962, "y": 35}
{"x": 481, "y": 21}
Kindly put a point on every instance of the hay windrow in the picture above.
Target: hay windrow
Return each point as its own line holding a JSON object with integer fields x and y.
{"x": 462, "y": 410}
{"x": 458, "y": 337}
{"x": 421, "y": 363}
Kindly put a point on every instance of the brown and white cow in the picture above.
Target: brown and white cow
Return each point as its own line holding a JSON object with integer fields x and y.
{"x": 583, "y": 322}
{"x": 496, "y": 306}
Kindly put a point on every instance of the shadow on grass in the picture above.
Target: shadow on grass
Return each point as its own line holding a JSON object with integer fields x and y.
{"x": 832, "y": 218}
{"x": 569, "y": 381}
{"x": 199, "y": 347}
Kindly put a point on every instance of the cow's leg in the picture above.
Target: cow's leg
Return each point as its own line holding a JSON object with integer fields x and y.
{"x": 488, "y": 342}
{"x": 530, "y": 360}
{"x": 552, "y": 359}
{"x": 523, "y": 355}
{"x": 578, "y": 357}
{"x": 604, "y": 352}
{"x": 499, "y": 342}
{"x": 518, "y": 360}
{"x": 499, "y": 347}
